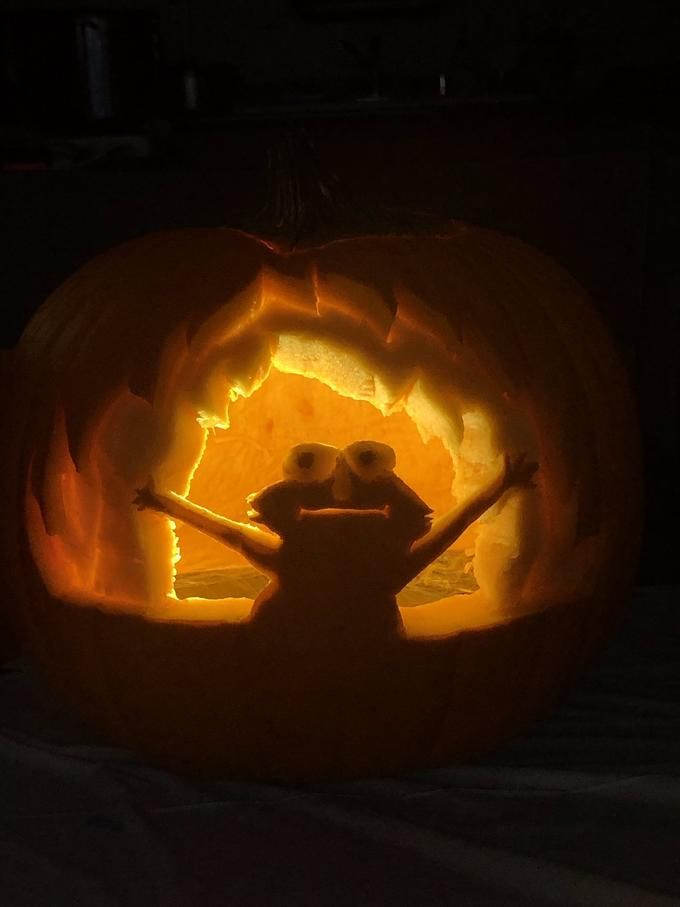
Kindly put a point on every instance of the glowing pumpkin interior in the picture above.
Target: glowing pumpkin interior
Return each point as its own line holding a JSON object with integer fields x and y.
{"x": 200, "y": 358}
{"x": 253, "y": 381}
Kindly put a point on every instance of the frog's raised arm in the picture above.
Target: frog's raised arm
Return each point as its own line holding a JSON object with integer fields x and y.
{"x": 259, "y": 547}
{"x": 516, "y": 473}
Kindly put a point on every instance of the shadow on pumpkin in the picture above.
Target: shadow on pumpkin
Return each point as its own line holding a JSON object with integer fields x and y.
{"x": 343, "y": 535}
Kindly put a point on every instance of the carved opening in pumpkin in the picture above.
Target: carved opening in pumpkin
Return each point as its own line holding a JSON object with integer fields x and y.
{"x": 353, "y": 374}
{"x": 292, "y": 407}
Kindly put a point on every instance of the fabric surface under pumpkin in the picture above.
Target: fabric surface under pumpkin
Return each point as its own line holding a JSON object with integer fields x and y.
{"x": 582, "y": 809}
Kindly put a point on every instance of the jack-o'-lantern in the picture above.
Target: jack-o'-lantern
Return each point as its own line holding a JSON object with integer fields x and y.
{"x": 337, "y": 510}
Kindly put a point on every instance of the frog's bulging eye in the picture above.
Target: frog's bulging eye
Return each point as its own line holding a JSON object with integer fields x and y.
{"x": 369, "y": 459}
{"x": 310, "y": 462}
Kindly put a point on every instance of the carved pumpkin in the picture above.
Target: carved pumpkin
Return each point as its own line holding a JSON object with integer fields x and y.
{"x": 338, "y": 404}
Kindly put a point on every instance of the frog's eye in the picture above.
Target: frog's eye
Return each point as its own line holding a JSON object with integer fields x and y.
{"x": 369, "y": 459}
{"x": 310, "y": 462}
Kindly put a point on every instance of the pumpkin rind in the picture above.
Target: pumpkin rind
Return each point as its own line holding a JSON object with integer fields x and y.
{"x": 211, "y": 698}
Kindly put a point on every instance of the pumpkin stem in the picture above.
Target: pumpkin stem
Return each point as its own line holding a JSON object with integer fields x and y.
{"x": 306, "y": 203}
{"x": 303, "y": 202}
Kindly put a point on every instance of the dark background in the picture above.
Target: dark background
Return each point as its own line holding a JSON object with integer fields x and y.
{"x": 558, "y": 124}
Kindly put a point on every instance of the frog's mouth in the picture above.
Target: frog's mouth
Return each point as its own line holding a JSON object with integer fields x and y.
{"x": 355, "y": 482}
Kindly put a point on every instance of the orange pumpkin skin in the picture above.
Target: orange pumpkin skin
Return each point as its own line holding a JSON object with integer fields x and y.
{"x": 208, "y": 697}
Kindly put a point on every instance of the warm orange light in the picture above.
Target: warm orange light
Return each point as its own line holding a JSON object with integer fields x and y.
{"x": 220, "y": 430}
{"x": 286, "y": 410}
{"x": 197, "y": 358}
